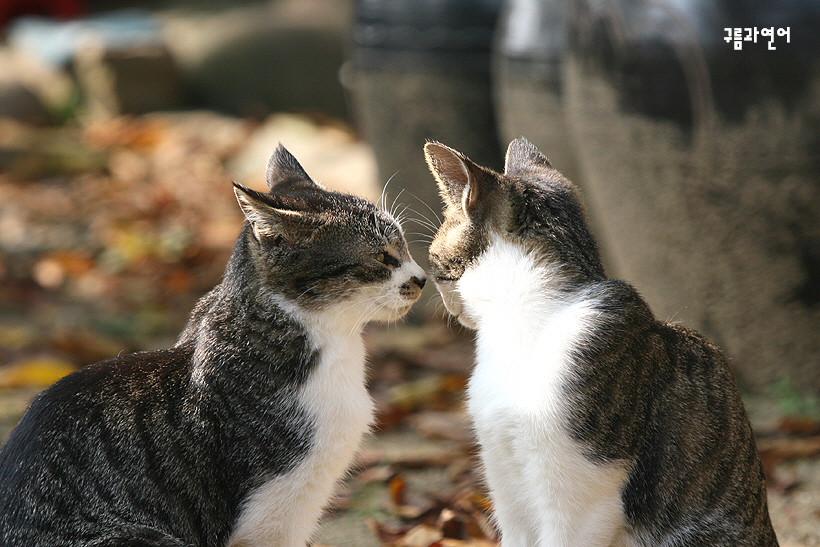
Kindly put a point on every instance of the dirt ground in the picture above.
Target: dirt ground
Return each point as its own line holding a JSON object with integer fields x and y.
{"x": 110, "y": 232}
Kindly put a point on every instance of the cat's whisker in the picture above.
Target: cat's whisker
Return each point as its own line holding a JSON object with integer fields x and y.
{"x": 381, "y": 202}
{"x": 401, "y": 216}
{"x": 424, "y": 235}
{"x": 435, "y": 214}
{"x": 424, "y": 223}
{"x": 434, "y": 222}
{"x": 395, "y": 201}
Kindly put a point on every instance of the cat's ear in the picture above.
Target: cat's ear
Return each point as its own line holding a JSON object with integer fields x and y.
{"x": 522, "y": 155}
{"x": 269, "y": 219}
{"x": 453, "y": 173}
{"x": 284, "y": 171}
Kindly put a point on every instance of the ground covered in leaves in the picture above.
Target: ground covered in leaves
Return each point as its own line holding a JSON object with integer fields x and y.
{"x": 110, "y": 231}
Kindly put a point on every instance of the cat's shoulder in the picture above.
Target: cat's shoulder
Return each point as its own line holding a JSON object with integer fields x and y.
{"x": 694, "y": 356}
{"x": 624, "y": 313}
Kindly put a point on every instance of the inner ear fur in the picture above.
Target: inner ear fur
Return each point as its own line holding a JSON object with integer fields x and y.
{"x": 270, "y": 219}
{"x": 455, "y": 174}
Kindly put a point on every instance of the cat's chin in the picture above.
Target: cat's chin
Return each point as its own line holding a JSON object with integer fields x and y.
{"x": 386, "y": 315}
{"x": 467, "y": 322}
{"x": 452, "y": 303}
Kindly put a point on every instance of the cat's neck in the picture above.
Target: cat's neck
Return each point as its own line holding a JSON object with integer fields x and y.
{"x": 530, "y": 324}
{"x": 510, "y": 285}
{"x": 242, "y": 291}
{"x": 338, "y": 321}
{"x": 240, "y": 324}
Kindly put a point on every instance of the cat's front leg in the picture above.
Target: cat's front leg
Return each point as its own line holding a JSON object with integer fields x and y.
{"x": 593, "y": 530}
{"x": 281, "y": 513}
{"x": 513, "y": 521}
{"x": 508, "y": 489}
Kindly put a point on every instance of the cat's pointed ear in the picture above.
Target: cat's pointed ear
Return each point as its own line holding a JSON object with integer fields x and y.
{"x": 270, "y": 220}
{"x": 285, "y": 171}
{"x": 453, "y": 173}
{"x": 522, "y": 155}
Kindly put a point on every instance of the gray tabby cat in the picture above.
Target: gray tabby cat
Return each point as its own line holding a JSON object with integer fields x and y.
{"x": 599, "y": 425}
{"x": 236, "y": 435}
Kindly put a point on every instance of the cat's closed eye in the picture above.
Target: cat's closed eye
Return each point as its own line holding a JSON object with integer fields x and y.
{"x": 387, "y": 259}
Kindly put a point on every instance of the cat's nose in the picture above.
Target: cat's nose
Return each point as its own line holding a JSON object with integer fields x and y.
{"x": 420, "y": 281}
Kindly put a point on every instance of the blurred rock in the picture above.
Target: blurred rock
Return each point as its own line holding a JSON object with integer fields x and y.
{"x": 136, "y": 80}
{"x": 31, "y": 91}
{"x": 119, "y": 59}
{"x": 264, "y": 57}
{"x": 330, "y": 154}
{"x": 702, "y": 163}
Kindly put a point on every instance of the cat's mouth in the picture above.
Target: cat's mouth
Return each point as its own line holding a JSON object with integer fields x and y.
{"x": 398, "y": 301}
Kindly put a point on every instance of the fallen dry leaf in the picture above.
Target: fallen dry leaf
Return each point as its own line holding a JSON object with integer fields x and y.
{"x": 397, "y": 488}
{"x": 442, "y": 424}
{"x": 386, "y": 534}
{"x": 798, "y": 425}
{"x": 36, "y": 371}
{"x": 421, "y": 536}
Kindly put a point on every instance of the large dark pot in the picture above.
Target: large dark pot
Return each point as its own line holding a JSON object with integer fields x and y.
{"x": 420, "y": 70}
{"x": 702, "y": 162}
{"x": 528, "y": 68}
{"x": 529, "y": 58}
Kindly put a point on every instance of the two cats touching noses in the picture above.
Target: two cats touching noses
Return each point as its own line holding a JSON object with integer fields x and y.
{"x": 598, "y": 424}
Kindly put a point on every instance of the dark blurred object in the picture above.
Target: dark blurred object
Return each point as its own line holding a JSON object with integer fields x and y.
{"x": 20, "y": 103}
{"x": 136, "y": 80}
{"x": 528, "y": 79}
{"x": 702, "y": 161}
{"x": 56, "y": 9}
{"x": 528, "y": 83}
{"x": 419, "y": 70}
{"x": 274, "y": 69}
{"x": 253, "y": 59}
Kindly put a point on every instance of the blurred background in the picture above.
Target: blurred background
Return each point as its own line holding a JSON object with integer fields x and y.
{"x": 691, "y": 127}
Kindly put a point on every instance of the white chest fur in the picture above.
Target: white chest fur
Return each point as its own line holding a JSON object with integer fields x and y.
{"x": 545, "y": 491}
{"x": 284, "y": 511}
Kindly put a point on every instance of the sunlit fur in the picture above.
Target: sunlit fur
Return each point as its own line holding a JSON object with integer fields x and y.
{"x": 237, "y": 434}
{"x": 598, "y": 424}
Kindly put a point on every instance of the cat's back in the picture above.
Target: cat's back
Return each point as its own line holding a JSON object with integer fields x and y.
{"x": 93, "y": 396}
{"x": 81, "y": 431}
{"x": 663, "y": 397}
{"x": 697, "y": 462}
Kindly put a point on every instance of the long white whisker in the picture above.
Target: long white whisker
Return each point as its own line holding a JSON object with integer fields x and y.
{"x": 426, "y": 205}
{"x": 395, "y": 204}
{"x": 426, "y": 236}
{"x": 423, "y": 222}
{"x": 381, "y": 201}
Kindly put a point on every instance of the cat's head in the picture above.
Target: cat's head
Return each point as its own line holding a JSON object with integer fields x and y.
{"x": 530, "y": 204}
{"x": 324, "y": 252}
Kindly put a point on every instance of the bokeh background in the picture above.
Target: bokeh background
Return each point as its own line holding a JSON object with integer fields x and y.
{"x": 692, "y": 129}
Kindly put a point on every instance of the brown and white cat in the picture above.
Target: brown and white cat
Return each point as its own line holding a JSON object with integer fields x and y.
{"x": 237, "y": 435}
{"x": 599, "y": 425}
